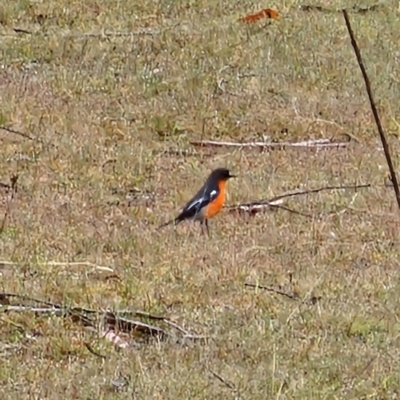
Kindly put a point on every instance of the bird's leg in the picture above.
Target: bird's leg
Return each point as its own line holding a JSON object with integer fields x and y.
{"x": 206, "y": 224}
{"x": 202, "y": 226}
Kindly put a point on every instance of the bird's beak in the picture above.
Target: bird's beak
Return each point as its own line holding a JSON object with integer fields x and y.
{"x": 232, "y": 176}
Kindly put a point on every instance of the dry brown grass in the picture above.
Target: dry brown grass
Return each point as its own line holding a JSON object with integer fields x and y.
{"x": 104, "y": 111}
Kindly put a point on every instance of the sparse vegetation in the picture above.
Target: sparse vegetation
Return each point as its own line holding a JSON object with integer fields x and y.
{"x": 108, "y": 96}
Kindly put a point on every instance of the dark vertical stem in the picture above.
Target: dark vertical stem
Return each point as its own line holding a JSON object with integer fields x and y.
{"x": 373, "y": 108}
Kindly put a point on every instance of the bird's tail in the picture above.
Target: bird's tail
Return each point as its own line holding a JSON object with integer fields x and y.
{"x": 172, "y": 221}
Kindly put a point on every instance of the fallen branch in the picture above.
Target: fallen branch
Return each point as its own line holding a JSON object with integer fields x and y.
{"x": 182, "y": 153}
{"x": 318, "y": 143}
{"x": 156, "y": 318}
{"x": 255, "y": 207}
{"x": 291, "y": 211}
{"x": 90, "y": 318}
{"x": 129, "y": 325}
{"x": 101, "y": 34}
{"x": 354, "y": 9}
{"x": 167, "y": 321}
{"x": 317, "y": 190}
{"x": 39, "y": 310}
{"x": 292, "y": 296}
{"x": 65, "y": 264}
{"x": 139, "y": 32}
{"x": 4, "y": 299}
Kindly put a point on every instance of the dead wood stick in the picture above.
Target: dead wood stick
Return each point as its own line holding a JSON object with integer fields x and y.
{"x": 317, "y": 190}
{"x": 84, "y": 315}
{"x": 272, "y": 289}
{"x": 228, "y": 384}
{"x": 260, "y": 205}
{"x": 373, "y": 107}
{"x": 318, "y": 143}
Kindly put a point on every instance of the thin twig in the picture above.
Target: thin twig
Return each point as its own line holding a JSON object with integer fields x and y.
{"x": 43, "y": 310}
{"x": 276, "y": 202}
{"x": 354, "y": 9}
{"x": 318, "y": 143}
{"x": 367, "y": 365}
{"x": 255, "y": 208}
{"x": 291, "y": 210}
{"x": 228, "y": 384}
{"x": 139, "y": 32}
{"x": 317, "y": 190}
{"x": 128, "y": 325}
{"x": 94, "y": 352}
{"x": 22, "y": 297}
{"x": 176, "y": 326}
{"x": 75, "y": 263}
{"x": 102, "y": 34}
{"x": 62, "y": 311}
{"x": 20, "y": 30}
{"x": 195, "y": 337}
{"x": 180, "y": 153}
{"x": 272, "y": 289}
{"x": 142, "y": 314}
{"x": 18, "y": 133}
{"x": 373, "y": 108}
{"x": 13, "y": 186}
{"x": 65, "y": 264}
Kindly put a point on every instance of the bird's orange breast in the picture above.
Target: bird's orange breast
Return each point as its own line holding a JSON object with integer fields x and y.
{"x": 215, "y": 206}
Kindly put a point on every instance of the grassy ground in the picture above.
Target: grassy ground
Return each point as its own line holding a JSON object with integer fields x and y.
{"x": 111, "y": 116}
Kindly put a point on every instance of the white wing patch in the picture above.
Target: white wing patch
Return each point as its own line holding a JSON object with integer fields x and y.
{"x": 195, "y": 203}
{"x": 198, "y": 204}
{"x": 213, "y": 193}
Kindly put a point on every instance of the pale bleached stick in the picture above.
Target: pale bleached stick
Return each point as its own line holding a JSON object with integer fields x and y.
{"x": 111, "y": 318}
{"x": 64, "y": 264}
{"x": 318, "y": 143}
{"x": 262, "y": 205}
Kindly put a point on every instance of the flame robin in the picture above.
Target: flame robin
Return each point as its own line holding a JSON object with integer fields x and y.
{"x": 207, "y": 202}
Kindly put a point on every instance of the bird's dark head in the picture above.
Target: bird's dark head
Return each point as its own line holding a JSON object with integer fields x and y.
{"x": 222, "y": 174}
